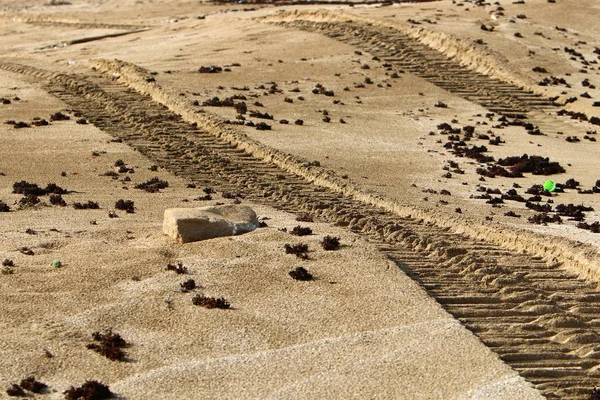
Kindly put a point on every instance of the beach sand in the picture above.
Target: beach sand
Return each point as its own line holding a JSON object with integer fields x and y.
{"x": 368, "y": 326}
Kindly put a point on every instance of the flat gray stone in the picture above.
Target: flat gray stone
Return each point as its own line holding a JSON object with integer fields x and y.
{"x": 193, "y": 224}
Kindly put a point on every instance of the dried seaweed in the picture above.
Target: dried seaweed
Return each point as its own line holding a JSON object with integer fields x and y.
{"x": 188, "y": 285}
{"x": 125, "y": 205}
{"x": 4, "y": 207}
{"x": 89, "y": 205}
{"x": 32, "y": 385}
{"x": 544, "y": 219}
{"x": 258, "y": 114}
{"x": 26, "y": 188}
{"x": 210, "y": 302}
{"x": 544, "y": 208}
{"x": 594, "y": 227}
{"x": 27, "y": 201}
{"x": 58, "y": 116}
{"x": 153, "y": 185}
{"x": 301, "y": 231}
{"x": 301, "y": 274}
{"x": 109, "y": 346}
{"x": 330, "y": 243}
{"x": 15, "y": 390}
{"x": 212, "y": 69}
{"x": 573, "y": 211}
{"x": 53, "y": 188}
{"x": 90, "y": 390}
{"x": 299, "y": 249}
{"x": 57, "y": 200}
{"x": 179, "y": 268}
{"x": 595, "y": 395}
{"x": 261, "y": 126}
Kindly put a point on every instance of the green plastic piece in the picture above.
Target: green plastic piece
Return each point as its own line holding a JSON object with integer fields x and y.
{"x": 56, "y": 264}
{"x": 550, "y": 186}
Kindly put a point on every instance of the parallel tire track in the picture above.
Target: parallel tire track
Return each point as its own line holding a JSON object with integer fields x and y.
{"x": 410, "y": 55}
{"x": 537, "y": 317}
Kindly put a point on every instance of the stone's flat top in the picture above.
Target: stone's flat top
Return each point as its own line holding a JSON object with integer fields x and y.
{"x": 232, "y": 212}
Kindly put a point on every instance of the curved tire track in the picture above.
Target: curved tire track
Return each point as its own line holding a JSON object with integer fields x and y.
{"x": 537, "y": 317}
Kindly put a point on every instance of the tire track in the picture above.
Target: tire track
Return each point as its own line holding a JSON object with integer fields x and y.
{"x": 45, "y": 20}
{"x": 408, "y": 54}
{"x": 539, "y": 318}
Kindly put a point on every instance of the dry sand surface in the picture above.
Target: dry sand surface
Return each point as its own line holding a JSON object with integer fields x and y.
{"x": 352, "y": 102}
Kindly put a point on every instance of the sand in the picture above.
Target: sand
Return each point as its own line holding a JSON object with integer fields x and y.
{"x": 363, "y": 328}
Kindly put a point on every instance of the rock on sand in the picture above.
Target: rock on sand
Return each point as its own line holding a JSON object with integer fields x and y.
{"x": 193, "y": 224}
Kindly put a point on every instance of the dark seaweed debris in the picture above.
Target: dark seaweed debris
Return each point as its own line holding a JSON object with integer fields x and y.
{"x": 573, "y": 211}
{"x": 595, "y": 395}
{"x": 594, "y": 227}
{"x": 58, "y": 116}
{"x": 29, "y": 200}
{"x": 153, "y": 185}
{"x": 330, "y": 243}
{"x": 212, "y": 69}
{"x": 125, "y": 205}
{"x": 299, "y": 250}
{"x": 57, "y": 200}
{"x": 15, "y": 390}
{"x": 301, "y": 231}
{"x": 90, "y": 205}
{"x": 179, "y": 268}
{"x": 210, "y": 302}
{"x": 110, "y": 345}
{"x": 544, "y": 219}
{"x": 4, "y": 207}
{"x": 188, "y": 285}
{"x": 90, "y": 390}
{"x": 32, "y": 385}
{"x": 301, "y": 274}
{"x": 26, "y": 188}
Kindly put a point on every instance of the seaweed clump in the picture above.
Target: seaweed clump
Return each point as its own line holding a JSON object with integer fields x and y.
{"x": 26, "y": 188}
{"x": 544, "y": 219}
{"x": 57, "y": 200}
{"x": 594, "y": 227}
{"x": 210, "y": 302}
{"x": 32, "y": 385}
{"x": 27, "y": 201}
{"x": 109, "y": 346}
{"x": 573, "y": 211}
{"x": 90, "y": 390}
{"x": 89, "y": 205}
{"x": 188, "y": 285}
{"x": 179, "y": 268}
{"x": 330, "y": 243}
{"x": 301, "y": 231}
{"x": 15, "y": 390}
{"x": 4, "y": 207}
{"x": 301, "y": 274}
{"x": 125, "y": 205}
{"x": 153, "y": 185}
{"x": 299, "y": 250}
{"x": 58, "y": 116}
